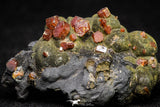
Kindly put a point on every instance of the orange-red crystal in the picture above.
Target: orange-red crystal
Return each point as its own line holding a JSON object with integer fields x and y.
{"x": 81, "y": 26}
{"x": 104, "y": 12}
{"x": 62, "y": 30}
{"x": 122, "y": 30}
{"x": 97, "y": 37}
{"x": 47, "y": 35}
{"x": 106, "y": 27}
{"x": 153, "y": 44}
{"x": 11, "y": 64}
{"x": 72, "y": 37}
{"x": 142, "y": 62}
{"x": 66, "y": 45}
{"x": 52, "y": 22}
{"x": 143, "y": 34}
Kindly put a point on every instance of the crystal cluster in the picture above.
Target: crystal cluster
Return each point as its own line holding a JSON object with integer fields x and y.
{"x": 94, "y": 60}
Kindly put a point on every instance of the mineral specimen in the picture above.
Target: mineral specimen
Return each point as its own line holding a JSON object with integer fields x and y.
{"x": 94, "y": 60}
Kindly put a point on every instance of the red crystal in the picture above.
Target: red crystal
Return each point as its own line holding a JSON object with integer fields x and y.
{"x": 142, "y": 62}
{"x": 97, "y": 37}
{"x": 72, "y": 37}
{"x": 47, "y": 35}
{"x": 45, "y": 54}
{"x": 104, "y": 12}
{"x": 61, "y": 31}
{"x": 134, "y": 47}
{"x": 67, "y": 46}
{"x": 64, "y": 45}
{"x": 11, "y": 64}
{"x": 153, "y": 44}
{"x": 143, "y": 34}
{"x": 122, "y": 30}
{"x": 80, "y": 25}
{"x": 70, "y": 45}
{"x": 108, "y": 29}
{"x": 103, "y": 22}
{"x": 52, "y": 22}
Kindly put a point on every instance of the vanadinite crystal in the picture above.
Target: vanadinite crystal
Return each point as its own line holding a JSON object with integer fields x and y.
{"x": 143, "y": 34}
{"x": 72, "y": 37}
{"x": 104, "y": 12}
{"x": 52, "y": 22}
{"x": 61, "y": 31}
{"x": 93, "y": 60}
{"x": 11, "y": 64}
{"x": 98, "y": 37}
{"x": 142, "y": 62}
{"x": 122, "y": 30}
{"x": 47, "y": 35}
{"x": 80, "y": 25}
{"x": 66, "y": 45}
{"x": 106, "y": 27}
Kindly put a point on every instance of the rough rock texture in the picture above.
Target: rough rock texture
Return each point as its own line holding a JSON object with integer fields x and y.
{"x": 93, "y": 60}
